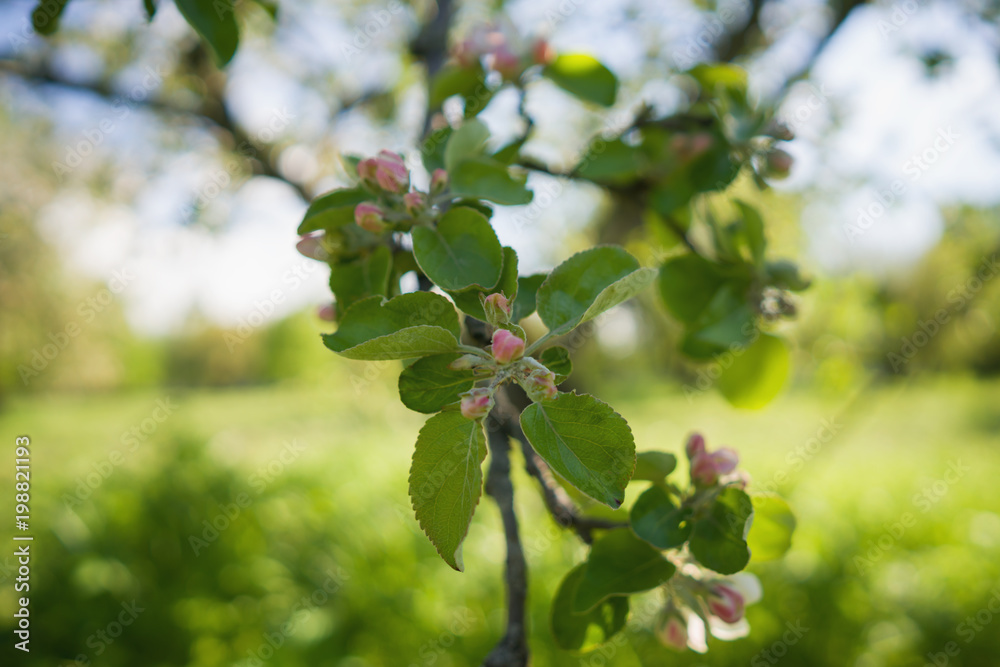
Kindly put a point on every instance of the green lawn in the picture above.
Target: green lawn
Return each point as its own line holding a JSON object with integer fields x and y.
{"x": 892, "y": 554}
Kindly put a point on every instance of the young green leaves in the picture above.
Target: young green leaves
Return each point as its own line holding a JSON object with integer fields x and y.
{"x": 446, "y": 480}
{"x": 462, "y": 251}
{"x": 404, "y": 327}
{"x": 587, "y": 284}
{"x": 585, "y": 441}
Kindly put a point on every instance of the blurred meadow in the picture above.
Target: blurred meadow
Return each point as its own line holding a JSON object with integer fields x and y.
{"x": 211, "y": 486}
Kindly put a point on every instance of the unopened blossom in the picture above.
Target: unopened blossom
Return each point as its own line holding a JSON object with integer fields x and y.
{"x": 506, "y": 346}
{"x": 439, "y": 181}
{"x": 672, "y": 631}
{"x": 476, "y": 403}
{"x": 706, "y": 466}
{"x": 326, "y": 313}
{"x": 369, "y": 216}
{"x": 725, "y": 602}
{"x": 497, "y": 309}
{"x": 391, "y": 173}
{"x": 415, "y": 202}
{"x": 311, "y": 246}
{"x": 540, "y": 385}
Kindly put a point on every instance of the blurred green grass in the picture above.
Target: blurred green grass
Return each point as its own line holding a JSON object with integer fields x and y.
{"x": 332, "y": 519}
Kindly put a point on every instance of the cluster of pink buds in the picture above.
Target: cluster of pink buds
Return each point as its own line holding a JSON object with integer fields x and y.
{"x": 689, "y": 146}
{"x": 699, "y": 604}
{"x": 495, "y": 48}
{"x": 387, "y": 177}
{"x": 708, "y": 468}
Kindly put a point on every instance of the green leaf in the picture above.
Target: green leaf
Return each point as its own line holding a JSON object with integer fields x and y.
{"x": 612, "y": 162}
{"x": 404, "y": 327}
{"x": 721, "y": 75}
{"x": 433, "y": 147}
{"x": 726, "y": 324}
{"x": 718, "y": 540}
{"x": 509, "y": 153}
{"x": 557, "y": 360}
{"x": 785, "y": 274}
{"x": 654, "y": 466}
{"x": 428, "y": 385}
{"x": 467, "y": 142}
{"x": 468, "y": 300}
{"x": 45, "y": 17}
{"x": 215, "y": 21}
{"x": 753, "y": 229}
{"x": 658, "y": 520}
{"x": 333, "y": 209}
{"x": 587, "y": 284}
{"x": 585, "y": 441}
{"x": 364, "y": 277}
{"x": 756, "y": 374}
{"x": 687, "y": 285}
{"x": 620, "y": 564}
{"x": 461, "y": 251}
{"x": 773, "y": 525}
{"x": 585, "y": 77}
{"x": 454, "y": 80}
{"x": 584, "y": 632}
{"x": 485, "y": 178}
{"x": 150, "y": 7}
{"x": 446, "y": 480}
{"x": 527, "y": 292}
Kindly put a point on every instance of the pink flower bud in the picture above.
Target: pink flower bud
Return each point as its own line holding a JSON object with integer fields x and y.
{"x": 497, "y": 309}
{"x": 326, "y": 313}
{"x": 726, "y": 603}
{"x": 415, "y": 202}
{"x": 476, "y": 403}
{"x": 369, "y": 216}
{"x": 506, "y": 346}
{"x": 695, "y": 445}
{"x": 707, "y": 467}
{"x": 439, "y": 181}
{"x": 540, "y": 385}
{"x": 391, "y": 172}
{"x": 673, "y": 632}
{"x": 311, "y": 246}
{"x": 542, "y": 52}
{"x": 366, "y": 171}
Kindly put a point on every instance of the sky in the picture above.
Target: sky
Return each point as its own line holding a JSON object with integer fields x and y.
{"x": 880, "y": 146}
